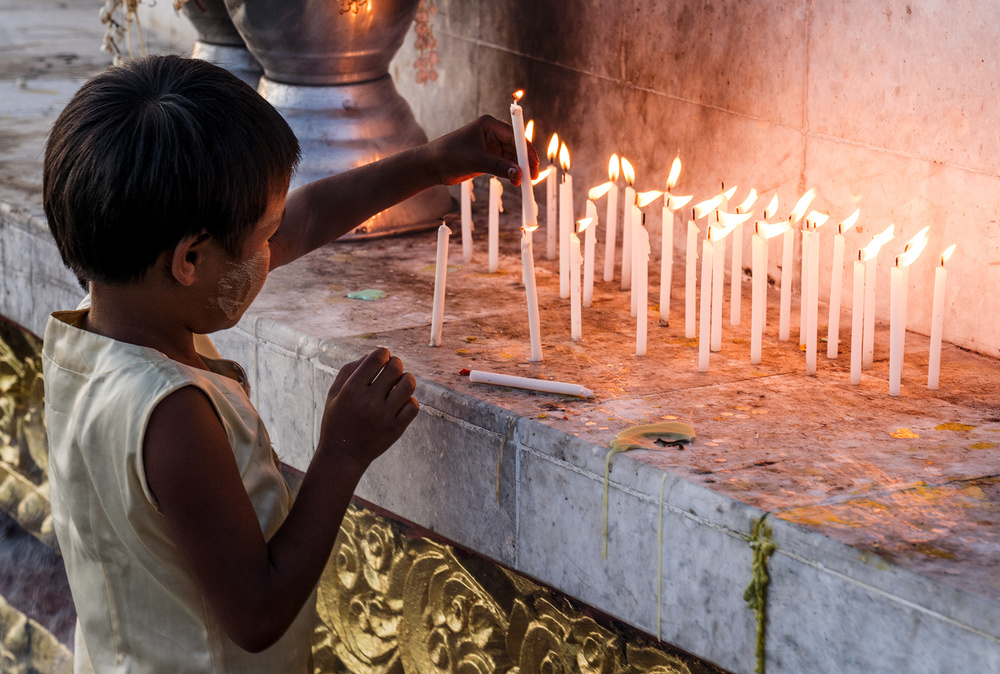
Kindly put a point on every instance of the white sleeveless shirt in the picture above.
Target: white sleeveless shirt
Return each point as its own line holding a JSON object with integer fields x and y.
{"x": 138, "y": 607}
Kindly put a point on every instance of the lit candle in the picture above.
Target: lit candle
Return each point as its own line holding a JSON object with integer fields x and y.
{"x": 690, "y": 277}
{"x": 704, "y": 314}
{"x": 671, "y": 205}
{"x": 641, "y": 242}
{"x": 736, "y": 270}
{"x": 575, "y": 294}
{"x": 528, "y": 207}
{"x": 466, "y": 206}
{"x": 531, "y": 291}
{"x": 440, "y": 280}
{"x": 779, "y": 229}
{"x": 727, "y": 222}
{"x": 638, "y": 221}
{"x": 785, "y": 317}
{"x": 612, "y": 220}
{"x": 836, "y": 283}
{"x": 811, "y": 306}
{"x": 496, "y": 208}
{"x": 899, "y": 277}
{"x": 627, "y": 224}
{"x": 590, "y": 242}
{"x": 871, "y": 280}
{"x": 763, "y": 233}
{"x": 566, "y": 217}
{"x": 857, "y": 317}
{"x": 551, "y": 224}
{"x": 937, "y": 320}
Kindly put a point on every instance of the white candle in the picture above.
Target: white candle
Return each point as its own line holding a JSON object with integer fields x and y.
{"x": 736, "y": 269}
{"x": 634, "y": 223}
{"x": 589, "y": 245}
{"x": 566, "y": 217}
{"x": 496, "y": 208}
{"x": 836, "y": 283}
{"x": 575, "y": 294}
{"x": 528, "y": 207}
{"x": 871, "y": 273}
{"x": 899, "y": 278}
{"x": 543, "y": 385}
{"x": 440, "y": 280}
{"x": 611, "y": 227}
{"x": 811, "y": 303}
{"x": 937, "y": 320}
{"x": 718, "y": 273}
{"x": 704, "y": 315}
{"x": 857, "y": 319}
{"x": 784, "y": 318}
{"x": 666, "y": 260}
{"x": 803, "y": 285}
{"x": 641, "y": 242}
{"x": 466, "y": 206}
{"x": 531, "y": 291}
{"x": 690, "y": 278}
{"x": 638, "y": 223}
{"x": 757, "y": 304}
{"x": 551, "y": 223}
{"x": 627, "y": 224}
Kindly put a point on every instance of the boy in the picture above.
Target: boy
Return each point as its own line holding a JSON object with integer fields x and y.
{"x": 165, "y": 188}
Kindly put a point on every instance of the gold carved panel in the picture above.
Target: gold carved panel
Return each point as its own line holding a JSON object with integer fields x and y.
{"x": 394, "y": 602}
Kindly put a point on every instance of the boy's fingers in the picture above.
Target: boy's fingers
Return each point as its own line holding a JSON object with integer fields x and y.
{"x": 389, "y": 376}
{"x": 371, "y": 366}
{"x": 408, "y": 412}
{"x": 402, "y": 391}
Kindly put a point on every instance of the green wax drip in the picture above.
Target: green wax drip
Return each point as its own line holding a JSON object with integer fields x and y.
{"x": 755, "y": 595}
{"x": 368, "y": 294}
{"x": 673, "y": 431}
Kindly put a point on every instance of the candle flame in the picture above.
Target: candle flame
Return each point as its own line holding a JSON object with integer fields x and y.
{"x": 728, "y": 194}
{"x": 543, "y": 175}
{"x": 946, "y": 255}
{"x": 815, "y": 219}
{"x": 675, "y": 173}
{"x": 529, "y": 130}
{"x": 599, "y": 191}
{"x": 644, "y": 199}
{"x": 583, "y": 224}
{"x": 628, "y": 171}
{"x": 767, "y": 230}
{"x": 748, "y": 202}
{"x": 553, "y": 150}
{"x": 913, "y": 248}
{"x": 517, "y": 95}
{"x": 705, "y": 207}
{"x": 676, "y": 203}
{"x": 529, "y": 229}
{"x": 848, "y": 222}
{"x": 719, "y": 232}
{"x": 730, "y": 220}
{"x": 564, "y": 157}
{"x": 613, "y": 164}
{"x": 772, "y": 206}
{"x": 871, "y": 250}
{"x": 802, "y": 205}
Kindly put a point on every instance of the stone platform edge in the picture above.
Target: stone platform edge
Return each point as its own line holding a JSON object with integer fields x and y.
{"x": 530, "y": 497}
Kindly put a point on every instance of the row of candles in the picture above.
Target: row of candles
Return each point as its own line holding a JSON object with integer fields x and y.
{"x": 563, "y": 241}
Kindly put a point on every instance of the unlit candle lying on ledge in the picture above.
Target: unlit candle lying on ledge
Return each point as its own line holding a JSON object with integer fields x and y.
{"x": 564, "y": 388}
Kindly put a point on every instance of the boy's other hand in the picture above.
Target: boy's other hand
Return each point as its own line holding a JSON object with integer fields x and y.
{"x": 484, "y": 146}
{"x": 368, "y": 407}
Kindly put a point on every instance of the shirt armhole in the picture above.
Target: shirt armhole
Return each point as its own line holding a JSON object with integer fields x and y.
{"x": 140, "y": 455}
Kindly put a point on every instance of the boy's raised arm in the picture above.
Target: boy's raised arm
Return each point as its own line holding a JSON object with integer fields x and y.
{"x": 318, "y": 213}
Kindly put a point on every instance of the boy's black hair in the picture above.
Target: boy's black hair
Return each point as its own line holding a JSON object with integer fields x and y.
{"x": 153, "y": 151}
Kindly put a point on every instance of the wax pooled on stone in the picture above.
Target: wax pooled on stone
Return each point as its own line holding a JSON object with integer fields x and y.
{"x": 368, "y": 294}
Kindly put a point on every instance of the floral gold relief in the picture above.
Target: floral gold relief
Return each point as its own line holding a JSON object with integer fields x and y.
{"x": 393, "y": 602}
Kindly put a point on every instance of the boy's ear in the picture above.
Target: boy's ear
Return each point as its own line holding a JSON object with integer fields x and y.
{"x": 188, "y": 254}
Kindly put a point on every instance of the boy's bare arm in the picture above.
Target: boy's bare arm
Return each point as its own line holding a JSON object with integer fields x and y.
{"x": 326, "y": 209}
{"x": 256, "y": 587}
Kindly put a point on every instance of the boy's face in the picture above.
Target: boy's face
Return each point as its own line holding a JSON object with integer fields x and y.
{"x": 242, "y": 278}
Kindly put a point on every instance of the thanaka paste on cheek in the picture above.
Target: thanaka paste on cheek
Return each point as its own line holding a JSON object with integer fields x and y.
{"x": 240, "y": 284}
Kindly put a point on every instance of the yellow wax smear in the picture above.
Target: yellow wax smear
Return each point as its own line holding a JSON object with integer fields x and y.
{"x": 637, "y": 437}
{"x": 953, "y": 427}
{"x": 983, "y": 445}
{"x": 904, "y": 433}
